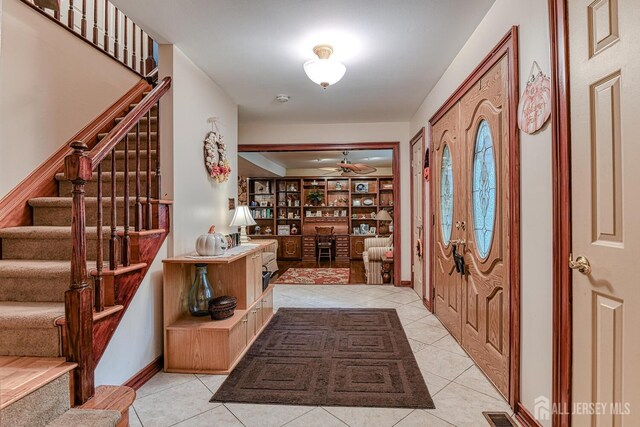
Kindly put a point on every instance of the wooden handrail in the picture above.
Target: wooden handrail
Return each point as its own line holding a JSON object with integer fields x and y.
{"x": 81, "y": 300}
{"x": 115, "y": 136}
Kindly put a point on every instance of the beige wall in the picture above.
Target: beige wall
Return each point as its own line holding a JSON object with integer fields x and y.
{"x": 48, "y": 89}
{"x": 198, "y": 203}
{"x": 261, "y": 133}
{"x": 536, "y": 204}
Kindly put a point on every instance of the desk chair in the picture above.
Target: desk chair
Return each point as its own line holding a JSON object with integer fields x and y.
{"x": 324, "y": 241}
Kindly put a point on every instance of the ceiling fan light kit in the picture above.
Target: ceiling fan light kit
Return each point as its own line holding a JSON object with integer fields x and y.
{"x": 324, "y": 70}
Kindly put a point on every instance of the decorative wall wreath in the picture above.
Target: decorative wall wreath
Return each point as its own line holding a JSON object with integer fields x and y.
{"x": 215, "y": 158}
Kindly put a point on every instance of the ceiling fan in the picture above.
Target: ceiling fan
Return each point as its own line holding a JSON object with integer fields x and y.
{"x": 351, "y": 169}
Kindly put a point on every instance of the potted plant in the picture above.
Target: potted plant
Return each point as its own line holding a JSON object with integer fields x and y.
{"x": 316, "y": 197}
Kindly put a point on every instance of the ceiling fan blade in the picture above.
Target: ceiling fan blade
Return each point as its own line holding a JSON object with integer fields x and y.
{"x": 345, "y": 165}
{"x": 348, "y": 174}
{"x": 363, "y": 169}
{"x": 330, "y": 169}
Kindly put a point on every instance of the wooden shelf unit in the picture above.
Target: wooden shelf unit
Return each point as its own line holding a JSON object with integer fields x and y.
{"x": 199, "y": 344}
{"x": 344, "y": 208}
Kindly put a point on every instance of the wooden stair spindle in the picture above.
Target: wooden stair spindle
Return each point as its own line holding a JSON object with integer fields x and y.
{"x": 116, "y": 30}
{"x": 134, "y": 59}
{"x": 83, "y": 20}
{"x": 141, "y": 51}
{"x": 148, "y": 205}
{"x": 98, "y": 289}
{"x": 95, "y": 22}
{"x": 71, "y": 19}
{"x": 158, "y": 177}
{"x": 106, "y": 26}
{"x": 79, "y": 297}
{"x": 113, "y": 240}
{"x": 126, "y": 241}
{"x": 150, "y": 63}
{"x": 125, "y": 57}
{"x": 138, "y": 210}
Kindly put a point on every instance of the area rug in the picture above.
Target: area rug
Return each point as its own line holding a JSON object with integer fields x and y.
{"x": 329, "y": 357}
{"x": 314, "y": 276}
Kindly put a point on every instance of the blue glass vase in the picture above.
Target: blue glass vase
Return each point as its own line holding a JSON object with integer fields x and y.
{"x": 200, "y": 292}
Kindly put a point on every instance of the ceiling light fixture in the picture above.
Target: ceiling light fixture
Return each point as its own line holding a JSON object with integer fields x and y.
{"x": 324, "y": 70}
{"x": 283, "y": 98}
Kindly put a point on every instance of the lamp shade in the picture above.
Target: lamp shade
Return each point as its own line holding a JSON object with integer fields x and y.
{"x": 324, "y": 72}
{"x": 242, "y": 217}
{"x": 383, "y": 215}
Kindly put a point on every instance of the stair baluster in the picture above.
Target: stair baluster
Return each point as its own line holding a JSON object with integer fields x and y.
{"x": 125, "y": 57}
{"x": 141, "y": 51}
{"x": 116, "y": 30}
{"x": 134, "y": 60}
{"x": 71, "y": 16}
{"x": 148, "y": 205}
{"x": 113, "y": 240}
{"x": 79, "y": 298}
{"x": 83, "y": 20}
{"x": 150, "y": 63}
{"x": 158, "y": 178}
{"x": 106, "y": 26}
{"x": 138, "y": 222}
{"x": 98, "y": 289}
{"x": 95, "y": 22}
{"x": 126, "y": 242}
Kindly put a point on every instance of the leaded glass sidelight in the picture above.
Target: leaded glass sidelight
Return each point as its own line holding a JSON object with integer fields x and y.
{"x": 484, "y": 189}
{"x": 446, "y": 195}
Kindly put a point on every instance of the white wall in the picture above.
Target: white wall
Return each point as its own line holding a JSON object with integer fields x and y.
{"x": 52, "y": 84}
{"x": 264, "y": 133}
{"x": 198, "y": 203}
{"x": 536, "y": 186}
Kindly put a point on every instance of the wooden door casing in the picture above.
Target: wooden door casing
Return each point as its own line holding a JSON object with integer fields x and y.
{"x": 448, "y": 283}
{"x": 417, "y": 144}
{"x": 486, "y": 293}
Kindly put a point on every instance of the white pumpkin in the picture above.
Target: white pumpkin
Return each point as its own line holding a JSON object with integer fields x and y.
{"x": 211, "y": 244}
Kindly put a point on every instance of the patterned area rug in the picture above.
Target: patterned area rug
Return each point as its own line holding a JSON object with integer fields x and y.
{"x": 314, "y": 276}
{"x": 329, "y": 357}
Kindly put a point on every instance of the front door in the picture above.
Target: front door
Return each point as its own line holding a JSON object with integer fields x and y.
{"x": 472, "y": 186}
{"x": 417, "y": 196}
{"x": 604, "y": 41}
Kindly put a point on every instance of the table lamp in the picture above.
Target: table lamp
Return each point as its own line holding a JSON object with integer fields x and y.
{"x": 383, "y": 215}
{"x": 241, "y": 218}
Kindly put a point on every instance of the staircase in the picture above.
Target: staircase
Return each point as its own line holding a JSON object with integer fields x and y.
{"x": 72, "y": 265}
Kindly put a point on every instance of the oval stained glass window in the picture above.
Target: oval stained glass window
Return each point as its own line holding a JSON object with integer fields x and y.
{"x": 484, "y": 189}
{"x": 446, "y": 195}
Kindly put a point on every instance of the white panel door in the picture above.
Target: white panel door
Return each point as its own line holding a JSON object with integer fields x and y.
{"x": 604, "y": 45}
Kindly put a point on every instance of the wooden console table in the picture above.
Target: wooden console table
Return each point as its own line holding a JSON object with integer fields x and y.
{"x": 199, "y": 344}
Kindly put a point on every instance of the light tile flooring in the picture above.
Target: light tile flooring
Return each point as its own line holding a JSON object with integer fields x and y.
{"x": 459, "y": 390}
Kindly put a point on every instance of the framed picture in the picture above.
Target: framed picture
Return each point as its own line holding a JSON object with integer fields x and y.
{"x": 372, "y": 230}
{"x": 362, "y": 187}
{"x": 356, "y": 230}
{"x": 364, "y": 228}
{"x": 284, "y": 230}
{"x": 357, "y": 203}
{"x": 264, "y": 203}
{"x": 261, "y": 187}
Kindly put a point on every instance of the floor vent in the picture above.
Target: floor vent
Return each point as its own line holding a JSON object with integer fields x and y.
{"x": 499, "y": 419}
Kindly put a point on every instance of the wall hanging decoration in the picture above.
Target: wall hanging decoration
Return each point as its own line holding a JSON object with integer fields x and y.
{"x": 535, "y": 104}
{"x": 215, "y": 158}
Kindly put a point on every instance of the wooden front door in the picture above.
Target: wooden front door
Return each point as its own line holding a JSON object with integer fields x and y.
{"x": 446, "y": 178}
{"x": 604, "y": 41}
{"x": 472, "y": 184}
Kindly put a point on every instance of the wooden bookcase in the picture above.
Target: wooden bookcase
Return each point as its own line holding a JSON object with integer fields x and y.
{"x": 283, "y": 210}
{"x": 199, "y": 344}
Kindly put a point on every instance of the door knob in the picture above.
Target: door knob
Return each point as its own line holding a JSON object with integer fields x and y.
{"x": 581, "y": 264}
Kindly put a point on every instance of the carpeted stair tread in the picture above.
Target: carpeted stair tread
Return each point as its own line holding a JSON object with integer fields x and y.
{"x": 47, "y": 232}
{"x": 29, "y": 315}
{"x": 35, "y": 280}
{"x": 86, "y": 418}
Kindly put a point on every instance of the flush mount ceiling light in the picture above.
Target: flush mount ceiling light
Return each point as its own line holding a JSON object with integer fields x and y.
{"x": 324, "y": 70}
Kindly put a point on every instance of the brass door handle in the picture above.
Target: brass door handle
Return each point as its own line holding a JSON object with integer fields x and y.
{"x": 459, "y": 242}
{"x": 581, "y": 264}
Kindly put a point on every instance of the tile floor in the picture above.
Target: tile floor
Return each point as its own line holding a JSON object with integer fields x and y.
{"x": 459, "y": 390}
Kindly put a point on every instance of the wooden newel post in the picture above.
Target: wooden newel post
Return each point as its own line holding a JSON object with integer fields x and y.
{"x": 79, "y": 297}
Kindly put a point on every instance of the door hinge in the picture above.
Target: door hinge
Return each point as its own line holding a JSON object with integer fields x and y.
{"x": 413, "y": 268}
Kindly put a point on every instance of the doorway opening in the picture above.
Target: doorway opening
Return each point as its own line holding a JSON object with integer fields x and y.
{"x": 333, "y": 209}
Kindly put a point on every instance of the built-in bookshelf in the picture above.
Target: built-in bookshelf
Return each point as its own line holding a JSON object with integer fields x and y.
{"x": 294, "y": 206}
